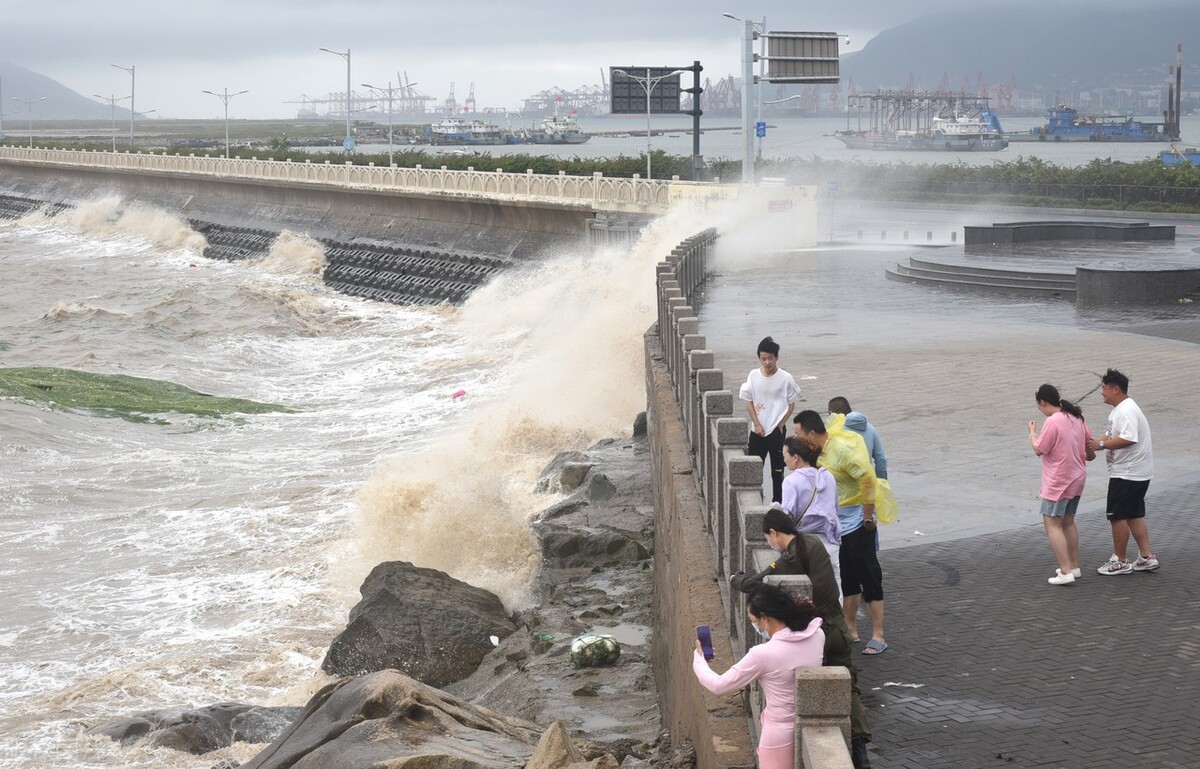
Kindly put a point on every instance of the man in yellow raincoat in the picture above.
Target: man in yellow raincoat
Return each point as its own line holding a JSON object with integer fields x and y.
{"x": 845, "y": 455}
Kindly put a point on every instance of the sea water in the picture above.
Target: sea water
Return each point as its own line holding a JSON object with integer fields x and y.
{"x": 147, "y": 566}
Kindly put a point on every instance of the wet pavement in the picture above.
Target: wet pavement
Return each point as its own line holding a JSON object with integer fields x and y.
{"x": 989, "y": 665}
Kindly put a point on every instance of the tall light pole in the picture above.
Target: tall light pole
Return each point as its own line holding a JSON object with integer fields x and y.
{"x": 348, "y": 144}
{"x": 748, "y": 93}
{"x": 29, "y": 103}
{"x": 131, "y": 69}
{"x": 648, "y": 85}
{"x": 112, "y": 103}
{"x": 225, "y": 96}
{"x": 391, "y": 95}
{"x": 759, "y": 30}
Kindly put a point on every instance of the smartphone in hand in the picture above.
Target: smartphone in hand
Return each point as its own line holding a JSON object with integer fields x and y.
{"x": 704, "y": 634}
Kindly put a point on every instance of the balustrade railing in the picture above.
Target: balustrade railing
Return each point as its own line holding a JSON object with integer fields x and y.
{"x": 596, "y": 191}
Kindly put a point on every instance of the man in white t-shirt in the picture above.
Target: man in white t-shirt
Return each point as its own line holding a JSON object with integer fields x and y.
{"x": 770, "y": 394}
{"x": 1130, "y": 468}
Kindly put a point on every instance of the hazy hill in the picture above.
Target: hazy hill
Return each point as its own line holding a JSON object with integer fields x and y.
{"x": 1041, "y": 46}
{"x": 61, "y": 102}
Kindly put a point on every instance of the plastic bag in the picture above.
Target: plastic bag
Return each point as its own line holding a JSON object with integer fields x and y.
{"x": 593, "y": 650}
{"x": 886, "y": 507}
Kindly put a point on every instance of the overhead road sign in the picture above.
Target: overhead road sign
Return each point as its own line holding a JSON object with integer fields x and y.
{"x": 802, "y": 57}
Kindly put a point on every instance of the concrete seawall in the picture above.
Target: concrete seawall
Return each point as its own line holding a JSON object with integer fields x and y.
{"x": 509, "y": 228}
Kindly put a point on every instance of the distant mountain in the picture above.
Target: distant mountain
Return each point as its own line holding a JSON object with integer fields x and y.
{"x": 1042, "y": 46}
{"x": 61, "y": 102}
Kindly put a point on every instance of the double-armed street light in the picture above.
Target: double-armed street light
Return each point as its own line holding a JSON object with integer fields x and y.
{"x": 29, "y": 103}
{"x": 112, "y": 103}
{"x": 348, "y": 143}
{"x": 391, "y": 95}
{"x": 131, "y": 69}
{"x": 225, "y": 96}
{"x": 648, "y": 85}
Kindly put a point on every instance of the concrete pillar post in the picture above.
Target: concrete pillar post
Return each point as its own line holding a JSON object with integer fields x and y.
{"x": 732, "y": 434}
{"x": 714, "y": 404}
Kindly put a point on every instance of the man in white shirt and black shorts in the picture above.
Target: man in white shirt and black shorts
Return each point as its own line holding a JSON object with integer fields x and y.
{"x": 770, "y": 394}
{"x": 1130, "y": 468}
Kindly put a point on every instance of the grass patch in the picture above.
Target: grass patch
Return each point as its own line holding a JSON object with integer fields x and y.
{"x": 115, "y": 395}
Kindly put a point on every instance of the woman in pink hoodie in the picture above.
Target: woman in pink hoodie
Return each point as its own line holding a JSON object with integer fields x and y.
{"x": 793, "y": 639}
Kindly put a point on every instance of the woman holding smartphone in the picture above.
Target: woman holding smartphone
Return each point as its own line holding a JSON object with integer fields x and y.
{"x": 794, "y": 639}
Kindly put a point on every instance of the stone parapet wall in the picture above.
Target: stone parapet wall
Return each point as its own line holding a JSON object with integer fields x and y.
{"x": 708, "y": 518}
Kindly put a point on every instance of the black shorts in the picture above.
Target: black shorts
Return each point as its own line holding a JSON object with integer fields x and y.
{"x": 1126, "y": 499}
{"x": 859, "y": 565}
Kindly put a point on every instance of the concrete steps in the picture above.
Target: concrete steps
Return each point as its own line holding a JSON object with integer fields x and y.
{"x": 999, "y": 280}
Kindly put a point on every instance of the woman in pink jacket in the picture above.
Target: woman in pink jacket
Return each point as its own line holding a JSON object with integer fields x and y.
{"x": 1062, "y": 446}
{"x": 793, "y": 639}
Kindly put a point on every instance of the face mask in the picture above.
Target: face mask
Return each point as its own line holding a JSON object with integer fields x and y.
{"x": 762, "y": 634}
{"x": 777, "y": 548}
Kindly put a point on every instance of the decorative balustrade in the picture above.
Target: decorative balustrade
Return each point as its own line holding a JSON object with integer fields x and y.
{"x": 730, "y": 484}
{"x": 596, "y": 191}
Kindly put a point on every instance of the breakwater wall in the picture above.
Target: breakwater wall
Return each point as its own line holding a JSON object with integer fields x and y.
{"x": 708, "y": 509}
{"x": 405, "y": 235}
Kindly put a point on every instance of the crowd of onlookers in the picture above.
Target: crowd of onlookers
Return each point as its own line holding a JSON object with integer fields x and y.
{"x": 823, "y": 518}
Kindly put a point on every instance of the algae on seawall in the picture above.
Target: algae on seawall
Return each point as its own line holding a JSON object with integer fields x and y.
{"x": 134, "y": 399}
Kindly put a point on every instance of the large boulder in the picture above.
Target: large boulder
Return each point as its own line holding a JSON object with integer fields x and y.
{"x": 419, "y": 621}
{"x": 388, "y": 719}
{"x": 200, "y": 730}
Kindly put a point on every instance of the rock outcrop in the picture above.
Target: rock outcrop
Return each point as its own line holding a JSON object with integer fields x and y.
{"x": 419, "y": 621}
{"x": 388, "y": 719}
{"x": 201, "y": 730}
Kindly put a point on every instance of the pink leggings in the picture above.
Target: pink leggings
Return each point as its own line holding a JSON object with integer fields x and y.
{"x": 780, "y": 754}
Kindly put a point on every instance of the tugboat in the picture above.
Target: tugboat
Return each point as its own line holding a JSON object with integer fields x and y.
{"x": 559, "y": 130}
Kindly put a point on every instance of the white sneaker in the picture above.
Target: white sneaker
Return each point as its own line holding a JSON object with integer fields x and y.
{"x": 1077, "y": 572}
{"x": 1061, "y": 579}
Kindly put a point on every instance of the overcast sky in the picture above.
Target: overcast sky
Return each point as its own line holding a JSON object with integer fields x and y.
{"x": 509, "y": 50}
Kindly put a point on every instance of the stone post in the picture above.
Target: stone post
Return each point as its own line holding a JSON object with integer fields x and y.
{"x": 715, "y": 404}
{"x": 823, "y": 718}
{"x": 740, "y": 474}
{"x": 732, "y": 434}
{"x": 705, "y": 379}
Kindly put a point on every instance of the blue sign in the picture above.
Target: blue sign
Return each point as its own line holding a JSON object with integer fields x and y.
{"x": 348, "y": 144}
{"x": 831, "y": 186}
{"x": 760, "y": 129}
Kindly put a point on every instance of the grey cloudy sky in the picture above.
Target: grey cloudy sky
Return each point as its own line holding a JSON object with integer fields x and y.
{"x": 509, "y": 50}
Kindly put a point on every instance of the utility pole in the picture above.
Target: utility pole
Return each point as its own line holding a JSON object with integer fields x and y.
{"x": 131, "y": 69}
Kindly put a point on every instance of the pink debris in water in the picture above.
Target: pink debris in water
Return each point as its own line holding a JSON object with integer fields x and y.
{"x": 459, "y": 394}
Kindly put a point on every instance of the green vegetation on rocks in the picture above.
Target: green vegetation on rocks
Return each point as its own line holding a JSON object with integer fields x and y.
{"x": 116, "y": 395}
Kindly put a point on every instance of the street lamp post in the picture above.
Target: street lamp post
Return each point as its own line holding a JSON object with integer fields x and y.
{"x": 225, "y": 96}
{"x": 391, "y": 95}
{"x": 132, "y": 83}
{"x": 29, "y": 103}
{"x": 648, "y": 84}
{"x": 348, "y": 144}
{"x": 749, "y": 95}
{"x": 112, "y": 103}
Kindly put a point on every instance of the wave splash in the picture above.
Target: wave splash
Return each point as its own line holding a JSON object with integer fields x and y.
{"x": 566, "y": 339}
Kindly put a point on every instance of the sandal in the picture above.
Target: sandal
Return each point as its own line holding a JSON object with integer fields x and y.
{"x": 874, "y": 647}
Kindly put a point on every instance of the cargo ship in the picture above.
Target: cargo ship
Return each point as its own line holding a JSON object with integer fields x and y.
{"x": 1065, "y": 124}
{"x": 456, "y": 131}
{"x": 559, "y": 130}
{"x": 924, "y": 122}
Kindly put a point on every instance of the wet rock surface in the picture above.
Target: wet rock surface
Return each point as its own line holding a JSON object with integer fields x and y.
{"x": 419, "y": 621}
{"x": 201, "y": 730}
{"x": 597, "y": 579}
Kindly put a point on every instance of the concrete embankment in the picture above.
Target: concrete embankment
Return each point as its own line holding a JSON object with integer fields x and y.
{"x": 383, "y": 242}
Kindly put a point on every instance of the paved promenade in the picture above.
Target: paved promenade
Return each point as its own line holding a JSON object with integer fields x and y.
{"x": 989, "y": 665}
